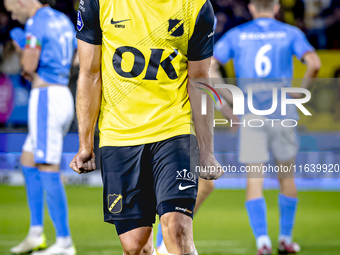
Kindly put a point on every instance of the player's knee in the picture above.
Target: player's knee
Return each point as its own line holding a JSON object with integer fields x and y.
{"x": 137, "y": 249}
{"x": 27, "y": 159}
{"x": 175, "y": 230}
{"x": 133, "y": 250}
{"x": 135, "y": 237}
{"x": 255, "y": 183}
{"x": 148, "y": 248}
{"x": 288, "y": 187}
{"x": 176, "y": 226}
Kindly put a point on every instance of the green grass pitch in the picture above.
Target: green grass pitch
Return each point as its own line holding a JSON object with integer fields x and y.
{"x": 220, "y": 227}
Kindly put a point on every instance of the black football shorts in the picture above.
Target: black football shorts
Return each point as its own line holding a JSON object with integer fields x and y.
{"x": 137, "y": 179}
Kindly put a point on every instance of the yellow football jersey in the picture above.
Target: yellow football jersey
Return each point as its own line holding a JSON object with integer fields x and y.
{"x": 146, "y": 46}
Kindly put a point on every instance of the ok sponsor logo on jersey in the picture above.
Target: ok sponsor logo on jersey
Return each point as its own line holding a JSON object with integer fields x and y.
{"x": 152, "y": 65}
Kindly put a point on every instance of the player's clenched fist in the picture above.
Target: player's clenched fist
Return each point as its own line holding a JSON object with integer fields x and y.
{"x": 83, "y": 162}
{"x": 210, "y": 169}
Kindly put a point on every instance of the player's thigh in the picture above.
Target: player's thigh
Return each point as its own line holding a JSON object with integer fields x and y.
{"x": 174, "y": 162}
{"x": 48, "y": 167}
{"x": 253, "y": 142}
{"x": 285, "y": 143}
{"x": 128, "y": 187}
{"x": 27, "y": 156}
{"x": 137, "y": 241}
{"x": 27, "y": 159}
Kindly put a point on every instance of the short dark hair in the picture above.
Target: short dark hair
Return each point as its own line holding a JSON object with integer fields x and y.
{"x": 50, "y": 2}
{"x": 264, "y": 5}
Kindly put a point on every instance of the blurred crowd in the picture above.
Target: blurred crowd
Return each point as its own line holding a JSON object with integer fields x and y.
{"x": 319, "y": 19}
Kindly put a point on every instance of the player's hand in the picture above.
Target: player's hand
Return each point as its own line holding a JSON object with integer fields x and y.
{"x": 83, "y": 162}
{"x": 210, "y": 169}
{"x": 27, "y": 76}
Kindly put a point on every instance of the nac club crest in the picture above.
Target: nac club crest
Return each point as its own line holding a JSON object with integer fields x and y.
{"x": 115, "y": 203}
{"x": 176, "y": 27}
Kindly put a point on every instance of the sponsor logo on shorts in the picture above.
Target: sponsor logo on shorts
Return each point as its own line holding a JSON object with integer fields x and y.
{"x": 115, "y": 203}
{"x": 180, "y": 187}
{"x": 186, "y": 175}
{"x": 185, "y": 210}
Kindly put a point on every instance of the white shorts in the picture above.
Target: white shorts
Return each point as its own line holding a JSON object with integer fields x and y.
{"x": 255, "y": 143}
{"x": 50, "y": 114}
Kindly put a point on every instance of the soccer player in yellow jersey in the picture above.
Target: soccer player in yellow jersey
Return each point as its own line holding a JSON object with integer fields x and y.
{"x": 136, "y": 60}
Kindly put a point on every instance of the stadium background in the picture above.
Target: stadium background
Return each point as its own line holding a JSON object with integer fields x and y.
{"x": 227, "y": 230}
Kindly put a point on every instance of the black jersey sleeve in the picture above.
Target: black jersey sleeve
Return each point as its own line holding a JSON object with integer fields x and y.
{"x": 201, "y": 43}
{"x": 88, "y": 23}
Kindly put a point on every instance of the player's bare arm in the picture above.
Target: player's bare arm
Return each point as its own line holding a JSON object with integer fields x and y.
{"x": 88, "y": 105}
{"x": 313, "y": 63}
{"x": 29, "y": 62}
{"x": 203, "y": 123}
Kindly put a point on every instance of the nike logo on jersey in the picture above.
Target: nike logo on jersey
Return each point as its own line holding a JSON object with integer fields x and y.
{"x": 180, "y": 187}
{"x": 119, "y": 21}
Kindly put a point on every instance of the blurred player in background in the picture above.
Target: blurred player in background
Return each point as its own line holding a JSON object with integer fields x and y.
{"x": 263, "y": 48}
{"x": 135, "y": 63}
{"x": 46, "y": 48}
